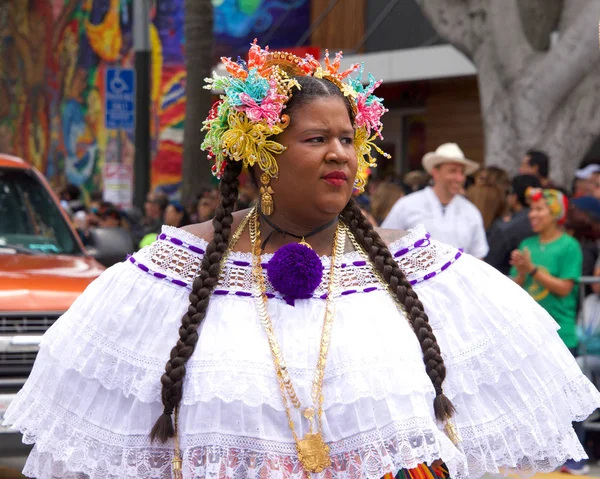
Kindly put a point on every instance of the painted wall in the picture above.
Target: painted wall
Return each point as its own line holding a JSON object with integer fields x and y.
{"x": 277, "y": 23}
{"x": 53, "y": 59}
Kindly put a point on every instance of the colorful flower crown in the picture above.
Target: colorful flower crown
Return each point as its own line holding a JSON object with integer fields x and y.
{"x": 556, "y": 200}
{"x": 255, "y": 94}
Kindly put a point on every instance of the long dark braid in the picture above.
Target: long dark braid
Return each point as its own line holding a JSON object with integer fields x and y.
{"x": 385, "y": 264}
{"x": 205, "y": 282}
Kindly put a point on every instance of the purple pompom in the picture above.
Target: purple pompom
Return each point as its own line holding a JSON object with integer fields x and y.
{"x": 295, "y": 271}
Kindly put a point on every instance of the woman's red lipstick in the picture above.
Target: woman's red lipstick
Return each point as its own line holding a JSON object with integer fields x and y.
{"x": 336, "y": 178}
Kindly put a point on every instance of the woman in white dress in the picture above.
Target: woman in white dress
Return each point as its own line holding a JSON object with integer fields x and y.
{"x": 310, "y": 344}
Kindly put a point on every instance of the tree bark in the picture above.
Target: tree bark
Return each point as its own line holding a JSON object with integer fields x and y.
{"x": 533, "y": 94}
{"x": 198, "y": 56}
{"x": 541, "y": 18}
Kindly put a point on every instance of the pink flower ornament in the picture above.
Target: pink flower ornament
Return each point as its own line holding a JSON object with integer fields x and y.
{"x": 269, "y": 108}
{"x": 369, "y": 115}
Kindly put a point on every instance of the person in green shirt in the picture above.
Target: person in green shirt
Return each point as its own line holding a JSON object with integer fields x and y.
{"x": 548, "y": 264}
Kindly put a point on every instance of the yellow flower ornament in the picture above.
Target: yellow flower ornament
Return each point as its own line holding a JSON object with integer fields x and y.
{"x": 247, "y": 142}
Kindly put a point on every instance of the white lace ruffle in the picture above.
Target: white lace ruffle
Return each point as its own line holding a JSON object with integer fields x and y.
{"x": 95, "y": 390}
{"x": 491, "y": 338}
{"x": 540, "y": 437}
{"x": 481, "y": 337}
{"x": 111, "y": 346}
{"x": 78, "y": 424}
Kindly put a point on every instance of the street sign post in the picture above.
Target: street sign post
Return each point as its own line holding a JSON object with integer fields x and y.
{"x": 120, "y": 99}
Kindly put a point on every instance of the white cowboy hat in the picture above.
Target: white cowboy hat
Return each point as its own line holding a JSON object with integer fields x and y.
{"x": 448, "y": 153}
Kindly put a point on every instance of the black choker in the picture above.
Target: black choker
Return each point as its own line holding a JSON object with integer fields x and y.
{"x": 284, "y": 232}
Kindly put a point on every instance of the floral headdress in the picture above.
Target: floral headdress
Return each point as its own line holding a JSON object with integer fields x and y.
{"x": 255, "y": 94}
{"x": 556, "y": 201}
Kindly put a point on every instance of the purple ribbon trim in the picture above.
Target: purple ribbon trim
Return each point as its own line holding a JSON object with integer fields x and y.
{"x": 178, "y": 242}
{"x": 143, "y": 267}
{"x": 158, "y": 275}
{"x": 422, "y": 243}
{"x": 241, "y": 263}
{"x": 225, "y": 292}
{"x": 433, "y": 274}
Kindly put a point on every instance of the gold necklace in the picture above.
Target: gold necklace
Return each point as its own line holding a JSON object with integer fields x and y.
{"x": 313, "y": 453}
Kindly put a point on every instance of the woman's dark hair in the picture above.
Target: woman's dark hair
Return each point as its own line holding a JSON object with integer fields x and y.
{"x": 312, "y": 88}
{"x": 387, "y": 266}
{"x": 206, "y": 281}
{"x": 204, "y": 284}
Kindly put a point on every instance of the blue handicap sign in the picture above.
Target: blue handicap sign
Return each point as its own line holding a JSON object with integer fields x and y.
{"x": 120, "y": 99}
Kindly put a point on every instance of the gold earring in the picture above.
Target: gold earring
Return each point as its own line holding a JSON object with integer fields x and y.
{"x": 266, "y": 195}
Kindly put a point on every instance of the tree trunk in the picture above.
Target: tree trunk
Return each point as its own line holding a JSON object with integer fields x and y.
{"x": 534, "y": 94}
{"x": 198, "y": 56}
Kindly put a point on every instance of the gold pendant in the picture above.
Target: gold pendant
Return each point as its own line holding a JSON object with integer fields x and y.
{"x": 266, "y": 198}
{"x": 452, "y": 432}
{"x": 304, "y": 243}
{"x": 176, "y": 467}
{"x": 313, "y": 453}
{"x": 266, "y": 203}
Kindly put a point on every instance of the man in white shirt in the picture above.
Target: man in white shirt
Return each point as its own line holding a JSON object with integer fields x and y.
{"x": 447, "y": 216}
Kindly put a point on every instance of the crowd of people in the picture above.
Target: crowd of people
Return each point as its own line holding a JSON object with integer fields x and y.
{"x": 544, "y": 236}
{"x": 481, "y": 210}
{"x": 486, "y": 212}
{"x": 143, "y": 227}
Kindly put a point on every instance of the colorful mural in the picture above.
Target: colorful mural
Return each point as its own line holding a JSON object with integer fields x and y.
{"x": 53, "y": 60}
{"x": 55, "y": 54}
{"x": 277, "y": 23}
{"x": 169, "y": 72}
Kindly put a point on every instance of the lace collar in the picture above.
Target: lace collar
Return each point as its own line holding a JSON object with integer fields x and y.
{"x": 171, "y": 233}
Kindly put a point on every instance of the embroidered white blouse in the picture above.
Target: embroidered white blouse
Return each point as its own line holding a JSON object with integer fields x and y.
{"x": 94, "y": 392}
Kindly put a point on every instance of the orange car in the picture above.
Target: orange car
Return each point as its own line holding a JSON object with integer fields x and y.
{"x": 43, "y": 268}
